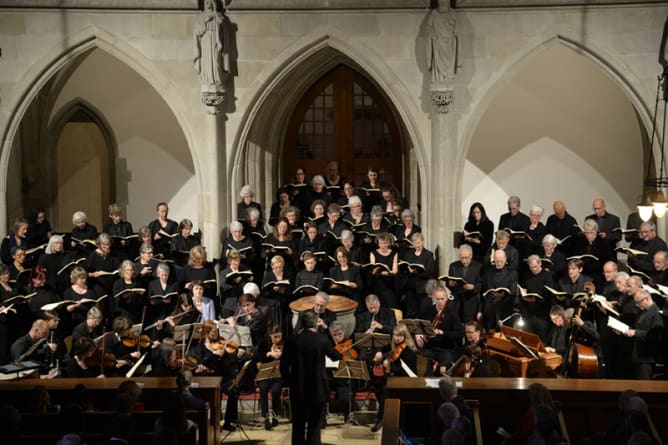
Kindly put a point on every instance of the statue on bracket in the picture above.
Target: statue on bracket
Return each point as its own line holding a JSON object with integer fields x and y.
{"x": 442, "y": 44}
{"x": 211, "y": 60}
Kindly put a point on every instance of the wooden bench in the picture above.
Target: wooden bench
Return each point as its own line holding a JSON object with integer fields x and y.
{"x": 102, "y": 393}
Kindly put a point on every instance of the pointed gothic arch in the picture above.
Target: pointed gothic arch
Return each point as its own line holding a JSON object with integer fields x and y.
{"x": 257, "y": 148}
{"x": 59, "y": 57}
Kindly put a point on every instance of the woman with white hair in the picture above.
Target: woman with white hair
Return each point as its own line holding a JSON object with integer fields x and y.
{"x": 81, "y": 232}
{"x": 247, "y": 194}
{"x": 536, "y": 230}
{"x": 355, "y": 218}
{"x": 236, "y": 240}
{"x": 553, "y": 260}
{"x": 52, "y": 260}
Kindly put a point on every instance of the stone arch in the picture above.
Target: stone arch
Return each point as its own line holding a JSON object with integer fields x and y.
{"x": 58, "y": 57}
{"x": 608, "y": 64}
{"x": 60, "y": 119}
{"x": 256, "y": 149}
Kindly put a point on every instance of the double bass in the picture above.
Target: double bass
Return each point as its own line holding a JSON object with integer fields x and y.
{"x": 580, "y": 359}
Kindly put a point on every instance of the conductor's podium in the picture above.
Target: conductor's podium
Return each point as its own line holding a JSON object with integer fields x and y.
{"x": 343, "y": 307}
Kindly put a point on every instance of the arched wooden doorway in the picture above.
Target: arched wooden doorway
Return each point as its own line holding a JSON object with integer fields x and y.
{"x": 344, "y": 117}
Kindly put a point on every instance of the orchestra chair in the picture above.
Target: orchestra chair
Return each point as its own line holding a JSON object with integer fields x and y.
{"x": 68, "y": 343}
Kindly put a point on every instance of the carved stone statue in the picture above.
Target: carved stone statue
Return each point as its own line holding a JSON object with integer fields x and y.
{"x": 210, "y": 59}
{"x": 442, "y": 43}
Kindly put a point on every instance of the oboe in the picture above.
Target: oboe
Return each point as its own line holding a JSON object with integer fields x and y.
{"x": 52, "y": 352}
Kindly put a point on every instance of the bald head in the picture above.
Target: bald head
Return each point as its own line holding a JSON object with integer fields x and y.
{"x": 559, "y": 209}
{"x": 599, "y": 207}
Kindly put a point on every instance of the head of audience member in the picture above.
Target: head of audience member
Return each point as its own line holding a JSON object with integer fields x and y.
{"x": 500, "y": 259}
{"x": 184, "y": 379}
{"x": 514, "y": 205}
{"x": 599, "y": 207}
{"x": 610, "y": 271}
{"x": 477, "y": 213}
{"x": 447, "y": 388}
{"x": 535, "y": 265}
{"x": 559, "y": 209}
{"x": 502, "y": 239}
{"x": 320, "y": 303}
{"x": 535, "y": 214}
{"x": 447, "y": 412}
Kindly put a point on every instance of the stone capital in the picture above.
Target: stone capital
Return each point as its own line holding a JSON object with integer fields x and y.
{"x": 441, "y": 99}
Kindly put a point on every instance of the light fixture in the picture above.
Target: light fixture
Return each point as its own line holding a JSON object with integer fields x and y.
{"x": 653, "y": 199}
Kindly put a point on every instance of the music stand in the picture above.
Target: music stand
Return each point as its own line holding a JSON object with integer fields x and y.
{"x": 373, "y": 341}
{"x": 182, "y": 332}
{"x": 240, "y": 334}
{"x": 21, "y": 369}
{"x": 268, "y": 371}
{"x": 418, "y": 327}
{"x": 351, "y": 370}
{"x": 235, "y": 383}
{"x": 136, "y": 329}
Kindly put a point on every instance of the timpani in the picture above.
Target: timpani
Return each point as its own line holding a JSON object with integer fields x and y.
{"x": 343, "y": 307}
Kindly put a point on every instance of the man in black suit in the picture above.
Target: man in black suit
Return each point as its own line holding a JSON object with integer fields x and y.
{"x": 646, "y": 336}
{"x": 651, "y": 244}
{"x": 498, "y": 305}
{"x": 561, "y": 224}
{"x": 467, "y": 293}
{"x": 606, "y": 223}
{"x": 303, "y": 370}
{"x": 517, "y": 221}
{"x": 377, "y": 320}
{"x": 324, "y": 317}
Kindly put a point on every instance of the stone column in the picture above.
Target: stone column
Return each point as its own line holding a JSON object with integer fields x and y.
{"x": 442, "y": 199}
{"x": 212, "y": 203}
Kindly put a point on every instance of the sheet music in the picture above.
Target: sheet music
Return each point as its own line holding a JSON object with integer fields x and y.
{"x": 617, "y": 325}
{"x": 329, "y": 363}
{"x": 406, "y": 369}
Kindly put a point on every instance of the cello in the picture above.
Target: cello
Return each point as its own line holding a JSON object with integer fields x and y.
{"x": 580, "y": 359}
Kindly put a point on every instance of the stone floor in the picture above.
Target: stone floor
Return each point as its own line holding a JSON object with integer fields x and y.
{"x": 335, "y": 433}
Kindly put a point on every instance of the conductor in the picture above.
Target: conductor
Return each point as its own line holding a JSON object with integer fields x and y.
{"x": 303, "y": 368}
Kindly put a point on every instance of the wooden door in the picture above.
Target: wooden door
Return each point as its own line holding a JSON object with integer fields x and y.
{"x": 343, "y": 117}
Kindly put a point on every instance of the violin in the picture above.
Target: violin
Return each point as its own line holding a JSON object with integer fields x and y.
{"x": 345, "y": 348}
{"x": 396, "y": 353}
{"x": 132, "y": 341}
{"x": 278, "y": 347}
{"x": 231, "y": 347}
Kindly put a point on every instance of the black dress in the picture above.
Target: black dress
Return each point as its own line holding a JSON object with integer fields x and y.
{"x": 385, "y": 285}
